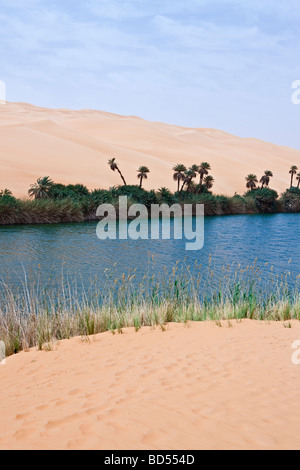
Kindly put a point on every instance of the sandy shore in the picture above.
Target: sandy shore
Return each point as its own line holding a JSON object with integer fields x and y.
{"x": 74, "y": 147}
{"x": 195, "y": 386}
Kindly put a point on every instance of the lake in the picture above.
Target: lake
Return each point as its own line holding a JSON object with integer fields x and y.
{"x": 45, "y": 252}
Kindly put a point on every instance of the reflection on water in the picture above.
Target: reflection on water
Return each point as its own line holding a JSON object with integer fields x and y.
{"x": 75, "y": 249}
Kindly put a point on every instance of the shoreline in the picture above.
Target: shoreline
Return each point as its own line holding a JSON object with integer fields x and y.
{"x": 130, "y": 218}
{"x": 34, "y": 316}
{"x": 96, "y": 219}
{"x": 83, "y": 208}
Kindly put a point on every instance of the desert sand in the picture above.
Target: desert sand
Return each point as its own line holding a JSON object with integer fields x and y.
{"x": 194, "y": 386}
{"x": 74, "y": 147}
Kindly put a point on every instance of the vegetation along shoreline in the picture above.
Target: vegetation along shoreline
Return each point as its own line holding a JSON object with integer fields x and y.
{"x": 52, "y": 203}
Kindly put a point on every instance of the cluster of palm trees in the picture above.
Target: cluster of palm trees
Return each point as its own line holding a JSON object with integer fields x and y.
{"x": 182, "y": 175}
{"x": 252, "y": 181}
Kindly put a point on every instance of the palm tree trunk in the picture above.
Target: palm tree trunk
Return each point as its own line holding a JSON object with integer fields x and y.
{"x": 182, "y": 187}
{"x": 141, "y": 181}
{"x": 178, "y": 183}
{"x": 292, "y": 177}
{"x": 121, "y": 176}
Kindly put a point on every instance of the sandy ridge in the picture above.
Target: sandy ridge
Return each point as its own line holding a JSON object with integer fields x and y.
{"x": 74, "y": 146}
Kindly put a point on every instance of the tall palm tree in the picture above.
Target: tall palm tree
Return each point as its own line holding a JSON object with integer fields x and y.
{"x": 292, "y": 172}
{"x": 265, "y": 179}
{"x": 114, "y": 166}
{"x": 41, "y": 189}
{"x": 143, "y": 174}
{"x": 298, "y": 178}
{"x": 251, "y": 181}
{"x": 179, "y": 174}
{"x": 209, "y": 181}
{"x": 203, "y": 170}
{"x": 189, "y": 175}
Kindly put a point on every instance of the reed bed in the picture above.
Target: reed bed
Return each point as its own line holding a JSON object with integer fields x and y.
{"x": 82, "y": 206}
{"x": 36, "y": 316}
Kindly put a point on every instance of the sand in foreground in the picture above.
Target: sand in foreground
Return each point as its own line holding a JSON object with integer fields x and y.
{"x": 195, "y": 386}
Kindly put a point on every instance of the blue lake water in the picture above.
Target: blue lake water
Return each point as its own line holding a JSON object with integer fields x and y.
{"x": 47, "y": 251}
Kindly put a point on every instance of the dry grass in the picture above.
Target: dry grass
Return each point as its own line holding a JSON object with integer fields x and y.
{"x": 36, "y": 317}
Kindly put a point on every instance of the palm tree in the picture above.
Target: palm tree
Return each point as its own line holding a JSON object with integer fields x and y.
{"x": 143, "y": 174}
{"x": 203, "y": 170}
{"x": 208, "y": 182}
{"x": 189, "y": 174}
{"x": 41, "y": 189}
{"x": 163, "y": 192}
{"x": 165, "y": 195}
{"x": 5, "y": 192}
{"x": 114, "y": 166}
{"x": 298, "y": 178}
{"x": 265, "y": 179}
{"x": 251, "y": 181}
{"x": 292, "y": 172}
{"x": 179, "y": 174}
{"x": 195, "y": 169}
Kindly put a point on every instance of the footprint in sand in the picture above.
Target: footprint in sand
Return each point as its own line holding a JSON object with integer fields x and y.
{"x": 23, "y": 434}
{"x": 22, "y": 416}
{"x": 55, "y": 423}
{"x": 41, "y": 407}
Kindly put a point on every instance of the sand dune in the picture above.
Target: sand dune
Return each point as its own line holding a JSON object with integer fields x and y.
{"x": 74, "y": 146}
{"x": 230, "y": 387}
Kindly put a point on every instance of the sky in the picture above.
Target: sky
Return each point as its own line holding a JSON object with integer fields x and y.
{"x": 224, "y": 64}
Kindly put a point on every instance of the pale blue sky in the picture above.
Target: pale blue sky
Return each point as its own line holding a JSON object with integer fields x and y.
{"x": 203, "y": 63}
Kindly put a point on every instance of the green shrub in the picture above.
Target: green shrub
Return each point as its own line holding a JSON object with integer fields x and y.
{"x": 9, "y": 209}
{"x": 238, "y": 205}
{"x": 265, "y": 199}
{"x": 73, "y": 191}
{"x": 290, "y": 200}
{"x": 75, "y": 203}
{"x": 164, "y": 196}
